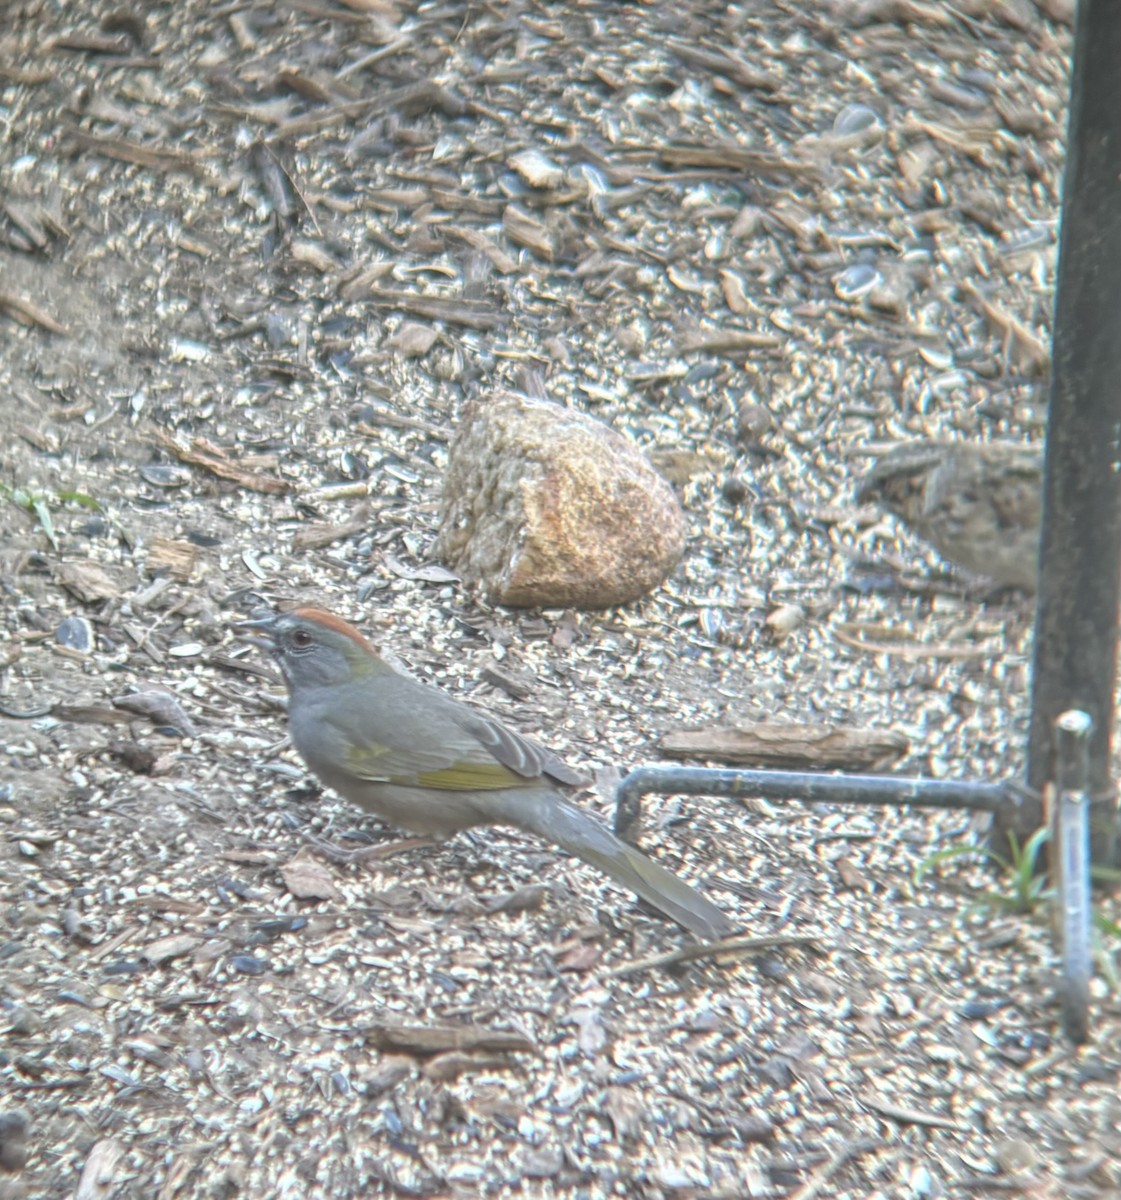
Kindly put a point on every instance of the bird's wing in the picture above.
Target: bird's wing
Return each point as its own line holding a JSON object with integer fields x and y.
{"x": 526, "y": 758}
{"x": 1017, "y": 493}
{"x": 426, "y": 739}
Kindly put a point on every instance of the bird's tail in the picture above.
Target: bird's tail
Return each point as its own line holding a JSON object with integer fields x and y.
{"x": 588, "y": 839}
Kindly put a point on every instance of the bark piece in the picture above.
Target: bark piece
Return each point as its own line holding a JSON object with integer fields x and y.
{"x": 426, "y": 1040}
{"x": 776, "y": 744}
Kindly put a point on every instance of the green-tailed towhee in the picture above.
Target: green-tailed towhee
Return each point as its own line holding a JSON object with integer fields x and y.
{"x": 433, "y": 765}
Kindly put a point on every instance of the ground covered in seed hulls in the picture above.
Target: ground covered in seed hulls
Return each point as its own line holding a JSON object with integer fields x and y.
{"x": 254, "y": 257}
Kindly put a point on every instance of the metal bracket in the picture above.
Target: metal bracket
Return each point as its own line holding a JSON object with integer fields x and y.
{"x": 800, "y": 785}
{"x": 1070, "y": 858}
{"x": 1071, "y": 828}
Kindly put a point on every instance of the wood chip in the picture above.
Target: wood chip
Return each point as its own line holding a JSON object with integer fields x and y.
{"x": 413, "y": 340}
{"x": 528, "y": 231}
{"x": 1022, "y": 349}
{"x": 91, "y": 43}
{"x": 536, "y": 169}
{"x": 727, "y": 341}
{"x": 175, "y": 945}
{"x": 325, "y": 533}
{"x": 730, "y": 157}
{"x": 204, "y": 454}
{"x": 502, "y": 262}
{"x": 473, "y": 314}
{"x": 89, "y": 714}
{"x": 735, "y": 292}
{"x": 722, "y": 62}
{"x": 519, "y": 684}
{"x": 446, "y": 1067}
{"x": 164, "y": 158}
{"x": 437, "y": 1039}
{"x": 851, "y": 876}
{"x": 314, "y": 255}
{"x": 176, "y": 557}
{"x": 816, "y": 1184}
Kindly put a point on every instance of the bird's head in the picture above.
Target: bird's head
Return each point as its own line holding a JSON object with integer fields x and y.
{"x": 314, "y": 648}
{"x": 899, "y": 479}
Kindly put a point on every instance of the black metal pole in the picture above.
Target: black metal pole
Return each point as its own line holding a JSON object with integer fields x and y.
{"x": 1080, "y": 581}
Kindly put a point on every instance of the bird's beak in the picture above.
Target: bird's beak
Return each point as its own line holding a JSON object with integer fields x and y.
{"x": 258, "y": 632}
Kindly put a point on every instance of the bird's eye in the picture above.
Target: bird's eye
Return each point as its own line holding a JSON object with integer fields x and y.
{"x": 301, "y": 639}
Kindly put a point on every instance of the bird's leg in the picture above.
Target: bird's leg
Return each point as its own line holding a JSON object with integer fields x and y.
{"x": 336, "y": 854}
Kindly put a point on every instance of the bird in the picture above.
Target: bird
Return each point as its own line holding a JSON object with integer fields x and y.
{"x": 434, "y": 765}
{"x": 980, "y": 505}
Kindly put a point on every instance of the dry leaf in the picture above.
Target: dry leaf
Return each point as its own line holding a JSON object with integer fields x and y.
{"x": 413, "y": 340}
{"x": 309, "y": 879}
{"x": 591, "y": 1035}
{"x": 537, "y": 170}
{"x": 99, "y": 1173}
{"x": 160, "y": 707}
{"x": 624, "y": 1111}
{"x": 581, "y": 957}
{"x": 851, "y": 875}
{"x": 783, "y": 620}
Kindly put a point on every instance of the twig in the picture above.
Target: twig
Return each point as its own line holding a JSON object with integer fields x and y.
{"x": 827, "y": 1170}
{"x": 907, "y": 1116}
{"x": 729, "y": 946}
{"x": 24, "y": 311}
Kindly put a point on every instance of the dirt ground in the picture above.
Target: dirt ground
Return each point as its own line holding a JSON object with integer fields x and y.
{"x": 254, "y": 257}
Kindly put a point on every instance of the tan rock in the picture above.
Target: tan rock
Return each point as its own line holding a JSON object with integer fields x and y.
{"x": 546, "y": 506}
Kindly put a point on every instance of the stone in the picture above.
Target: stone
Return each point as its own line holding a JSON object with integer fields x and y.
{"x": 544, "y": 506}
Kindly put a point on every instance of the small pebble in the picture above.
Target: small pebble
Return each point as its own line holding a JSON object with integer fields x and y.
{"x": 248, "y": 964}
{"x": 76, "y": 633}
{"x": 186, "y": 650}
{"x": 856, "y": 281}
{"x": 855, "y": 120}
{"x": 1015, "y": 1154}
